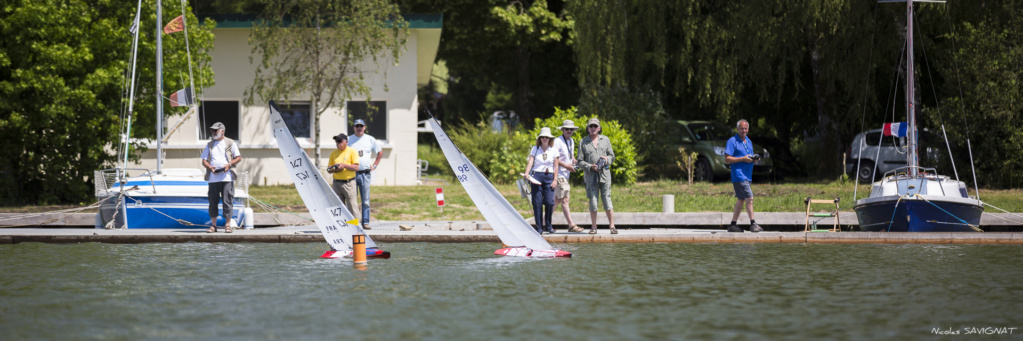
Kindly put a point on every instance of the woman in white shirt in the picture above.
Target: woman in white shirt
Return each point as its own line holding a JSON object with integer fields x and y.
{"x": 542, "y": 165}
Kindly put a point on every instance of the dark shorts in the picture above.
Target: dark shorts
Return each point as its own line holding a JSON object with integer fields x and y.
{"x": 742, "y": 190}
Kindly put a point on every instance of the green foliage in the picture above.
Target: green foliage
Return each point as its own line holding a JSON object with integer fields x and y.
{"x": 497, "y": 48}
{"x": 624, "y": 168}
{"x": 500, "y": 156}
{"x": 62, "y": 73}
{"x": 989, "y": 55}
{"x": 314, "y": 48}
{"x": 433, "y": 155}
{"x": 686, "y": 162}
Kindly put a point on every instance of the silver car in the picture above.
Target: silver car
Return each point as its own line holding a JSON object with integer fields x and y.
{"x": 887, "y": 153}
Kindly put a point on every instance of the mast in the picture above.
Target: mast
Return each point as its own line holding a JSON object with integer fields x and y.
{"x": 131, "y": 91}
{"x": 159, "y": 87}
{"x": 910, "y": 94}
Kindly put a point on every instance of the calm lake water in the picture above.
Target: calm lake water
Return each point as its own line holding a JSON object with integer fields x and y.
{"x": 460, "y": 291}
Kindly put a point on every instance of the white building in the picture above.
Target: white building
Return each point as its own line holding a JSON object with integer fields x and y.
{"x": 393, "y": 122}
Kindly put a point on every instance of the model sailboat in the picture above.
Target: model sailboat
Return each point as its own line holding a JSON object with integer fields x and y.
{"x": 514, "y": 231}
{"x": 332, "y": 217}
{"x": 914, "y": 198}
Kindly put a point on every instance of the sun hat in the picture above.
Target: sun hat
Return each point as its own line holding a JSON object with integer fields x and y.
{"x": 593, "y": 121}
{"x": 217, "y": 126}
{"x": 545, "y": 132}
{"x": 568, "y": 124}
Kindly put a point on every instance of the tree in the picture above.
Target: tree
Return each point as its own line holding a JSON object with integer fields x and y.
{"x": 318, "y": 49}
{"x": 62, "y": 72}
{"x": 514, "y": 53}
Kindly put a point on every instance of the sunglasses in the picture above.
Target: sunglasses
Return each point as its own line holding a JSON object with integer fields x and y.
{"x": 593, "y": 126}
{"x": 568, "y": 129}
{"x": 360, "y": 126}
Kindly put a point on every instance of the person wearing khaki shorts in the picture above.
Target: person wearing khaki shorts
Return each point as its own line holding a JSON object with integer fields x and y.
{"x": 566, "y": 147}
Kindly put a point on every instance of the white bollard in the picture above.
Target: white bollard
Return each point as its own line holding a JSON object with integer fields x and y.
{"x": 668, "y": 203}
{"x": 249, "y": 219}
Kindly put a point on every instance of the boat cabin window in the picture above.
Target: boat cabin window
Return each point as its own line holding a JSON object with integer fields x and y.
{"x": 375, "y": 115}
{"x": 227, "y": 112}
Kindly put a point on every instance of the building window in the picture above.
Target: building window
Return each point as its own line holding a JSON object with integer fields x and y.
{"x": 225, "y": 112}
{"x": 375, "y": 115}
{"x": 299, "y": 119}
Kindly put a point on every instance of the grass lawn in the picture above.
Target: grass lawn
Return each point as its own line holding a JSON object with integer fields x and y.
{"x": 418, "y": 203}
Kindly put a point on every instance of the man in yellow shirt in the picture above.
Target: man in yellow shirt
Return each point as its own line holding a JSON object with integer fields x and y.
{"x": 344, "y": 162}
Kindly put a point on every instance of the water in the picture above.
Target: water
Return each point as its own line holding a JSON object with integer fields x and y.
{"x": 459, "y": 291}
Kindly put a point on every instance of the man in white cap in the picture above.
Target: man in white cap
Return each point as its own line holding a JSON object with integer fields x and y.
{"x": 219, "y": 156}
{"x": 565, "y": 146}
{"x": 369, "y": 157}
{"x": 595, "y": 155}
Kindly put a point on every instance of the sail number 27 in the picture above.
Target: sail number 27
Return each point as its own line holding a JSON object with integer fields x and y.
{"x": 464, "y": 169}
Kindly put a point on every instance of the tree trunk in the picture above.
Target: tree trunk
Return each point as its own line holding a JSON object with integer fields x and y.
{"x": 824, "y": 120}
{"x": 316, "y": 130}
{"x": 524, "y": 94}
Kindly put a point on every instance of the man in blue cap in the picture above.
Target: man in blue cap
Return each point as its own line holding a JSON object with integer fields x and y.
{"x": 369, "y": 157}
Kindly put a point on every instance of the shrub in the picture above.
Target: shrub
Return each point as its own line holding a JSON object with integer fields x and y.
{"x": 495, "y": 154}
{"x": 623, "y": 169}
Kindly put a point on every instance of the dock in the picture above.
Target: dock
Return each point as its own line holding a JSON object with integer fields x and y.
{"x": 633, "y": 228}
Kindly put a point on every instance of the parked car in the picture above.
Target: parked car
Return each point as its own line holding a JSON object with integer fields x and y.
{"x": 708, "y": 139}
{"x": 888, "y": 153}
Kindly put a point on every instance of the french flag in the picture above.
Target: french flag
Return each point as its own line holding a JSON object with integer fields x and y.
{"x": 897, "y": 129}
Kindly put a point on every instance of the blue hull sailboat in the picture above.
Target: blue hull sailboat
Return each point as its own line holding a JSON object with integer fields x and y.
{"x": 161, "y": 198}
{"x": 914, "y": 198}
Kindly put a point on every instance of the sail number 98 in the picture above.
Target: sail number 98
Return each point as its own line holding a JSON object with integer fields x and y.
{"x": 463, "y": 169}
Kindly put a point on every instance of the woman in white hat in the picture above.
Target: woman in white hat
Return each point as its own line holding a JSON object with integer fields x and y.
{"x": 542, "y": 166}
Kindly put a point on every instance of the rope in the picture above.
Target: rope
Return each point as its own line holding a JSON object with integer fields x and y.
{"x": 276, "y": 211}
{"x": 892, "y": 220}
{"x": 1011, "y": 221}
{"x": 66, "y": 212}
{"x": 179, "y": 221}
{"x": 975, "y": 228}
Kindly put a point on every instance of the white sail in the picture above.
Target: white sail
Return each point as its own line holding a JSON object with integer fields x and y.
{"x": 332, "y": 217}
{"x": 508, "y": 223}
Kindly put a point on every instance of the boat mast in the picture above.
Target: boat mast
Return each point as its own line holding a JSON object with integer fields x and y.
{"x": 910, "y": 94}
{"x": 131, "y": 91}
{"x": 159, "y": 88}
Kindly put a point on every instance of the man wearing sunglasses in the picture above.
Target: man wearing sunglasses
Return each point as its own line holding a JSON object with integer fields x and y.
{"x": 565, "y": 146}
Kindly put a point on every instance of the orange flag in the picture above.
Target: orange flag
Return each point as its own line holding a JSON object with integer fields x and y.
{"x": 176, "y": 25}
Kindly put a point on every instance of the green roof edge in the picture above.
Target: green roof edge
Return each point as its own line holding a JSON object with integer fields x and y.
{"x": 416, "y": 21}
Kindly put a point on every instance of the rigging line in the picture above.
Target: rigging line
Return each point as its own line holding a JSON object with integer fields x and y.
{"x": 937, "y": 101}
{"x": 866, "y": 93}
{"x": 1000, "y": 209}
{"x": 895, "y": 87}
{"x": 201, "y": 94}
{"x": 962, "y": 99}
{"x": 949, "y": 213}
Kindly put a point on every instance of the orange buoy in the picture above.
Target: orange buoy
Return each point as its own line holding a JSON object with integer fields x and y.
{"x": 359, "y": 248}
